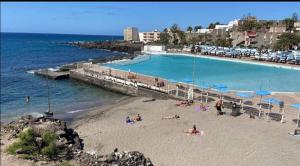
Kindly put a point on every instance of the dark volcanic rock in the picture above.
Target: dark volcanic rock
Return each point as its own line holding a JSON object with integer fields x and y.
{"x": 133, "y": 158}
{"x": 132, "y": 49}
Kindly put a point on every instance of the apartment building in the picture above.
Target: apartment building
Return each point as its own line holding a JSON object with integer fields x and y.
{"x": 147, "y": 37}
{"x": 131, "y": 34}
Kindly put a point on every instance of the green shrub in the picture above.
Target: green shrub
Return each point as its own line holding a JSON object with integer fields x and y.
{"x": 26, "y": 143}
{"x": 49, "y": 150}
{"x": 11, "y": 149}
{"x": 65, "y": 163}
{"x": 49, "y": 137}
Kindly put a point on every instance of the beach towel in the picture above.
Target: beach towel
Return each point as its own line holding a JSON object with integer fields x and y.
{"x": 201, "y": 133}
{"x": 132, "y": 122}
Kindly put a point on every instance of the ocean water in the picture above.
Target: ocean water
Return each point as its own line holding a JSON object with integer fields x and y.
{"x": 237, "y": 76}
{"x": 21, "y": 53}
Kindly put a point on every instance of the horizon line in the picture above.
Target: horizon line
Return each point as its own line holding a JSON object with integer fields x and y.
{"x": 61, "y": 33}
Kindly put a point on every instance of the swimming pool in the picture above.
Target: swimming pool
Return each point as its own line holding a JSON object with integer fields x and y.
{"x": 237, "y": 76}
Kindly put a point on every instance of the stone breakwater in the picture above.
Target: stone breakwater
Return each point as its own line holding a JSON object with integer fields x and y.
{"x": 131, "y": 49}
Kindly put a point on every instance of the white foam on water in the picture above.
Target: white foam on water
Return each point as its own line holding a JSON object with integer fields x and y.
{"x": 72, "y": 112}
{"x": 31, "y": 71}
{"x": 36, "y": 114}
{"x": 53, "y": 69}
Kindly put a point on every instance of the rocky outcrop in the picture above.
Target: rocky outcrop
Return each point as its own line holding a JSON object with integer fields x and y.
{"x": 133, "y": 158}
{"x": 67, "y": 137}
{"x": 120, "y": 46}
{"x": 70, "y": 144}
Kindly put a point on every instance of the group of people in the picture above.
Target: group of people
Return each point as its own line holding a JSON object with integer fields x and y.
{"x": 134, "y": 119}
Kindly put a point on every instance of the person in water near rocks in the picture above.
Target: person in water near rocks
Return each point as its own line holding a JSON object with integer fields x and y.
{"x": 27, "y": 98}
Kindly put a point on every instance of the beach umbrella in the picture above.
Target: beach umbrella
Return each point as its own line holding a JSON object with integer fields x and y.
{"x": 203, "y": 87}
{"x": 272, "y": 101}
{"x": 244, "y": 95}
{"x": 220, "y": 86}
{"x": 187, "y": 80}
{"x": 173, "y": 82}
{"x": 297, "y": 106}
{"x": 222, "y": 91}
{"x": 261, "y": 93}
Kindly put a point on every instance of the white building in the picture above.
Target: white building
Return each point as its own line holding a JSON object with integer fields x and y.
{"x": 297, "y": 26}
{"x": 151, "y": 48}
{"x": 203, "y": 31}
{"x": 149, "y": 36}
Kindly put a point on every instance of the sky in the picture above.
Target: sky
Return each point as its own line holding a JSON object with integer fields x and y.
{"x": 110, "y": 18}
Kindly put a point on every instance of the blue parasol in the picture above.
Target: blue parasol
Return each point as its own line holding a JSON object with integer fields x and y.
{"x": 272, "y": 101}
{"x": 187, "y": 80}
{"x": 203, "y": 87}
{"x": 244, "y": 95}
{"x": 220, "y": 86}
{"x": 297, "y": 106}
{"x": 262, "y": 92}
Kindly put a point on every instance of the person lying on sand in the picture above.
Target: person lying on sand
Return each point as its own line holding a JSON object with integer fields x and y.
{"x": 128, "y": 120}
{"x": 183, "y": 103}
{"x": 193, "y": 131}
{"x": 137, "y": 118}
{"x": 171, "y": 117}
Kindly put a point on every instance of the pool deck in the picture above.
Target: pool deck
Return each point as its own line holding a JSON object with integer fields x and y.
{"x": 246, "y": 60}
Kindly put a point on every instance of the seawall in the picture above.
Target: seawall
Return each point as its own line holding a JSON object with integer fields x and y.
{"x": 131, "y": 89}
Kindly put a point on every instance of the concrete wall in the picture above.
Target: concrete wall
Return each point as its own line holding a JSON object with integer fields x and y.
{"x": 108, "y": 85}
{"x": 151, "y": 48}
{"x": 118, "y": 87}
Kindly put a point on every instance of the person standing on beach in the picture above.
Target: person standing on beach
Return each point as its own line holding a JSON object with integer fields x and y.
{"x": 219, "y": 107}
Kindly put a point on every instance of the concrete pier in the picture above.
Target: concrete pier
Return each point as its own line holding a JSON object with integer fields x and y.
{"x": 56, "y": 75}
{"x": 124, "y": 82}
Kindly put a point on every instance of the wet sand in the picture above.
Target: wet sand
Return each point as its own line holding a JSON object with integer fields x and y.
{"x": 226, "y": 141}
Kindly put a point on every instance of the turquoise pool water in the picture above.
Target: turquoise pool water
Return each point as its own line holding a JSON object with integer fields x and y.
{"x": 237, "y": 76}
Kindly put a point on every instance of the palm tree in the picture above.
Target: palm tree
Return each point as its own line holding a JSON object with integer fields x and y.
{"x": 190, "y": 29}
{"x": 289, "y": 24}
{"x": 286, "y": 41}
{"x": 174, "y": 28}
{"x": 197, "y": 27}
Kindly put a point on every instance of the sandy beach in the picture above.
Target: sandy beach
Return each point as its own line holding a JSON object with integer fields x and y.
{"x": 226, "y": 140}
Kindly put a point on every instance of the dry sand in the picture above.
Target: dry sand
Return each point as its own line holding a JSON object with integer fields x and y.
{"x": 226, "y": 141}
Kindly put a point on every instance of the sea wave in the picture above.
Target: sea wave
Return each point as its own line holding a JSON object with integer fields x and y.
{"x": 36, "y": 114}
{"x": 72, "y": 112}
{"x": 31, "y": 71}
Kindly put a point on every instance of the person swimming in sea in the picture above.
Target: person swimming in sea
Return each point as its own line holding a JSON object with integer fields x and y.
{"x": 27, "y": 99}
